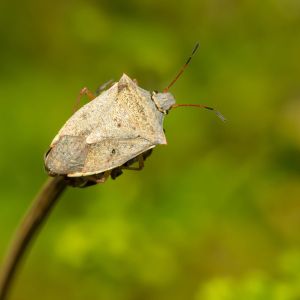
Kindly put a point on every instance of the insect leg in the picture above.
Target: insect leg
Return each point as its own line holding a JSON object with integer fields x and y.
{"x": 139, "y": 168}
{"x": 84, "y": 91}
{"x": 104, "y": 86}
{"x": 104, "y": 177}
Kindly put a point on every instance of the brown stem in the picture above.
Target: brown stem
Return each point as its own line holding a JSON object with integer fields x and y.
{"x": 30, "y": 224}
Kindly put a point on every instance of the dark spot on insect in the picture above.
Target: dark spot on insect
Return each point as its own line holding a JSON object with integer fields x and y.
{"x": 119, "y": 124}
{"x": 85, "y": 132}
{"x": 113, "y": 151}
{"x": 122, "y": 86}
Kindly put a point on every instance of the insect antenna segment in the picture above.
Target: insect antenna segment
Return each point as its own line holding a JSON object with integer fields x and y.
{"x": 182, "y": 69}
{"x": 178, "y": 75}
{"x": 202, "y": 106}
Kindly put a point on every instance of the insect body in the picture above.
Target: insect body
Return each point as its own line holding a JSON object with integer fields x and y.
{"x": 115, "y": 128}
{"x": 110, "y": 133}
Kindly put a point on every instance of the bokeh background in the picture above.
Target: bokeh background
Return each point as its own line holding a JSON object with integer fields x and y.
{"x": 215, "y": 214}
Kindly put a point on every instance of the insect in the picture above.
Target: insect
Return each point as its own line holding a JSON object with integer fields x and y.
{"x": 115, "y": 130}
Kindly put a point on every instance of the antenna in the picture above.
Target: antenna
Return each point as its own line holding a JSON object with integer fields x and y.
{"x": 182, "y": 69}
{"x": 202, "y": 106}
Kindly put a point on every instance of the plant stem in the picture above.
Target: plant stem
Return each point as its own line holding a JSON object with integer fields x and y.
{"x": 29, "y": 226}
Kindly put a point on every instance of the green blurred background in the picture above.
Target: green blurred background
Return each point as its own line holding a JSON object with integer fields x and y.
{"x": 215, "y": 214}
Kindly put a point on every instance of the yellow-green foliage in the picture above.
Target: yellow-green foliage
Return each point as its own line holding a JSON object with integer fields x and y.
{"x": 215, "y": 214}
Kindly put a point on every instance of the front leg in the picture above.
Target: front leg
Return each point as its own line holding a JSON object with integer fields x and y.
{"x": 84, "y": 91}
{"x": 104, "y": 86}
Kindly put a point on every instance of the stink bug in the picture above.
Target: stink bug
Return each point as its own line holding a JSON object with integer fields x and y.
{"x": 113, "y": 131}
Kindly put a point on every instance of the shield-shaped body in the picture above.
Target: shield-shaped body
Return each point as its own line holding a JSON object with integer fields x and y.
{"x": 116, "y": 127}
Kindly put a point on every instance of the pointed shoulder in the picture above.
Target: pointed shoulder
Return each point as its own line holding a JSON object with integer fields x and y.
{"x": 125, "y": 78}
{"x": 139, "y": 110}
